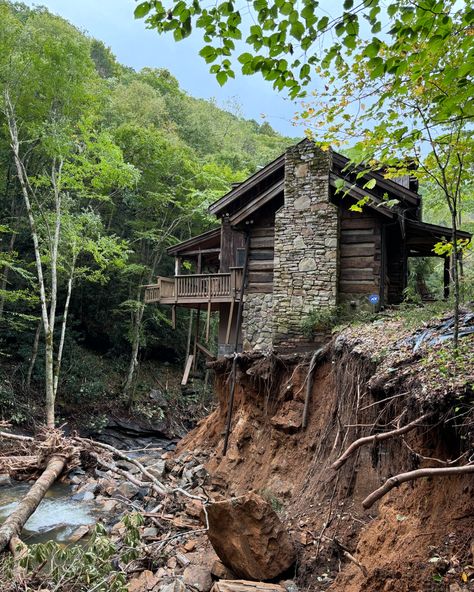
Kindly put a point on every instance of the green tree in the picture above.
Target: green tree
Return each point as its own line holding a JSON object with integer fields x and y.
{"x": 47, "y": 77}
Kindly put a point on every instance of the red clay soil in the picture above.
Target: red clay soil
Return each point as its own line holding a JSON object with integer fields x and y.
{"x": 419, "y": 539}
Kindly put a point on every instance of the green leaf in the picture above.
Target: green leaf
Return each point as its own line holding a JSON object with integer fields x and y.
{"x": 221, "y": 77}
{"x": 244, "y": 58}
{"x": 370, "y": 184}
{"x": 142, "y": 10}
{"x": 323, "y": 23}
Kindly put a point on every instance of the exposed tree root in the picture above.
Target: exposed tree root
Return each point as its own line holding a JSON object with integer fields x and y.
{"x": 378, "y": 438}
{"x": 397, "y": 480}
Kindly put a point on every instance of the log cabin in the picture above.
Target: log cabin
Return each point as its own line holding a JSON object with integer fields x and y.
{"x": 288, "y": 243}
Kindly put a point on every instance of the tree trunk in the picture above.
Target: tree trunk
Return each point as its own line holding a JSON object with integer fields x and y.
{"x": 34, "y": 354}
{"x": 63, "y": 333}
{"x": 137, "y": 323}
{"x": 4, "y": 276}
{"x": 49, "y": 379}
{"x": 15, "y": 522}
{"x": 457, "y": 297}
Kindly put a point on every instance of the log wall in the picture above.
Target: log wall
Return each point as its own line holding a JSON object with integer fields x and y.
{"x": 360, "y": 256}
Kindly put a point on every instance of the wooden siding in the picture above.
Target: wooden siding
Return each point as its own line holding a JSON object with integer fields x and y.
{"x": 260, "y": 265}
{"x": 360, "y": 255}
{"x": 396, "y": 264}
{"x": 231, "y": 240}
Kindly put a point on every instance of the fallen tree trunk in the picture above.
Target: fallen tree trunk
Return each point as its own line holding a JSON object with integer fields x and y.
{"x": 397, "y": 480}
{"x": 14, "y": 523}
{"x": 377, "y": 438}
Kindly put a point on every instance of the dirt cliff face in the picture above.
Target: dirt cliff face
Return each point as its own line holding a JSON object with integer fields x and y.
{"x": 419, "y": 538}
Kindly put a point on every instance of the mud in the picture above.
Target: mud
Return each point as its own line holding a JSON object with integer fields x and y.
{"x": 419, "y": 537}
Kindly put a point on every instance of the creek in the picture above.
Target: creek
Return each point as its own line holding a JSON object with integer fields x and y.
{"x": 56, "y": 518}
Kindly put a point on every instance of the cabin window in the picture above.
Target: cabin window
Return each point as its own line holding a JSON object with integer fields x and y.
{"x": 240, "y": 258}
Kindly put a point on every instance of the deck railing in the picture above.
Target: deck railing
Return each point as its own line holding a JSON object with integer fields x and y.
{"x": 202, "y": 287}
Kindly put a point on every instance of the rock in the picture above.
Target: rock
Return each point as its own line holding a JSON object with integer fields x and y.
{"x": 127, "y": 466}
{"x": 198, "y": 577}
{"x": 150, "y": 531}
{"x": 193, "y": 508}
{"x": 5, "y": 480}
{"x": 109, "y": 506}
{"x": 157, "y": 469}
{"x": 79, "y": 533}
{"x": 85, "y": 496}
{"x": 145, "y": 582}
{"x": 221, "y": 572}
{"x": 182, "y": 559}
{"x": 127, "y": 489}
{"x": 289, "y": 586}
{"x": 249, "y": 538}
{"x": 289, "y": 418}
{"x": 174, "y": 586}
{"x": 171, "y": 563}
{"x": 189, "y": 546}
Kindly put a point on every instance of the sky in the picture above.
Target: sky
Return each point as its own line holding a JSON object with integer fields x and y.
{"x": 112, "y": 22}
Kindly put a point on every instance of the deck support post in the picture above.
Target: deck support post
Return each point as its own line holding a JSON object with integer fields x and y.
{"x": 208, "y": 320}
{"x": 236, "y": 346}
{"x": 196, "y": 337}
{"x": 190, "y": 334}
{"x": 229, "y": 322}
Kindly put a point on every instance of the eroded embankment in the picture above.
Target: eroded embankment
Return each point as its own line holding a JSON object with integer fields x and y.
{"x": 369, "y": 381}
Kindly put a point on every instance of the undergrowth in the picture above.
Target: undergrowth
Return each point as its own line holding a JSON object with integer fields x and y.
{"x": 99, "y": 565}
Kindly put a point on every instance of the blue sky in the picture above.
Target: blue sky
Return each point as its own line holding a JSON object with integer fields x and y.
{"x": 112, "y": 22}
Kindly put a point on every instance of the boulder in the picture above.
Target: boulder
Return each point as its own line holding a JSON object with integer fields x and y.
{"x": 198, "y": 578}
{"x": 249, "y": 538}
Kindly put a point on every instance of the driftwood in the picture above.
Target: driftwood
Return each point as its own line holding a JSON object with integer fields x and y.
{"x": 377, "y": 438}
{"x": 14, "y": 523}
{"x": 397, "y": 480}
{"x": 245, "y": 586}
{"x": 158, "y": 487}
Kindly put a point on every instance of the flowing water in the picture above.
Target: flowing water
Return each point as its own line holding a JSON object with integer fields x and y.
{"x": 56, "y": 518}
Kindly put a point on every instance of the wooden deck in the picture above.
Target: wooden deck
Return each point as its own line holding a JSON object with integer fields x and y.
{"x": 196, "y": 289}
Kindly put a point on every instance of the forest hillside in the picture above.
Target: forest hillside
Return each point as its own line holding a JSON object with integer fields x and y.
{"x": 138, "y": 161}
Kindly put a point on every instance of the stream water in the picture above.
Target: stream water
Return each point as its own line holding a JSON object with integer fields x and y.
{"x": 56, "y": 518}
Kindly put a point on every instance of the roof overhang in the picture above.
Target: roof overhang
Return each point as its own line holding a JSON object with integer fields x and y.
{"x": 422, "y": 237}
{"x": 220, "y": 206}
{"x": 207, "y": 241}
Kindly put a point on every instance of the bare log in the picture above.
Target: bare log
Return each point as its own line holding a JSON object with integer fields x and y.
{"x": 158, "y": 486}
{"x": 377, "y": 438}
{"x": 9, "y": 464}
{"x": 113, "y": 467}
{"x": 15, "y": 522}
{"x": 397, "y": 480}
{"x": 15, "y": 437}
{"x": 19, "y": 551}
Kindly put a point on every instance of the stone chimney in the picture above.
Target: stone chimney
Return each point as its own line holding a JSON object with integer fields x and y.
{"x": 306, "y": 243}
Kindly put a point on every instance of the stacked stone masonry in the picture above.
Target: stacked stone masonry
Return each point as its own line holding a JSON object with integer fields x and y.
{"x": 257, "y": 321}
{"x": 306, "y": 241}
